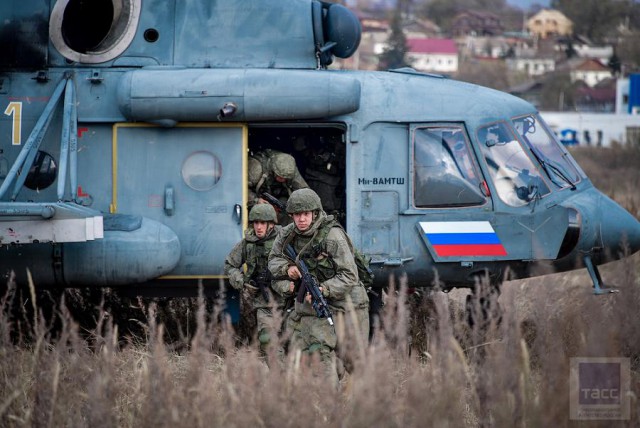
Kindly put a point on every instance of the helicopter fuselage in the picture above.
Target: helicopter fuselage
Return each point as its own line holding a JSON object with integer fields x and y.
{"x": 127, "y": 164}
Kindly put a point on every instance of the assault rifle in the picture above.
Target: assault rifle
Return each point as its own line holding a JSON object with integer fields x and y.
{"x": 308, "y": 283}
{"x": 262, "y": 280}
{"x": 274, "y": 201}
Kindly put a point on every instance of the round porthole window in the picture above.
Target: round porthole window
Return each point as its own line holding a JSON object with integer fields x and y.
{"x": 42, "y": 173}
{"x": 201, "y": 171}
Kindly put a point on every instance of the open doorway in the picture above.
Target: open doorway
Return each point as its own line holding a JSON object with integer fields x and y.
{"x": 320, "y": 154}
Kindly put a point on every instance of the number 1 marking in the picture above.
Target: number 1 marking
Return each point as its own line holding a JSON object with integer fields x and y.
{"x": 15, "y": 108}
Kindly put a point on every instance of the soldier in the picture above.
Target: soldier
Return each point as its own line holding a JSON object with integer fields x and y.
{"x": 324, "y": 171}
{"x": 255, "y": 283}
{"x": 320, "y": 241}
{"x": 275, "y": 173}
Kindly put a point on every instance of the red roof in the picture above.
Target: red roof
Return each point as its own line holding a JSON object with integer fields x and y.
{"x": 441, "y": 46}
{"x": 592, "y": 65}
{"x": 598, "y": 94}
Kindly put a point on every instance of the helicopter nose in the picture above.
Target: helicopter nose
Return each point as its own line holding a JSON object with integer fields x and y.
{"x": 619, "y": 230}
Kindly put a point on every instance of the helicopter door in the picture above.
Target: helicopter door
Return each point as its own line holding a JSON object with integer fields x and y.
{"x": 190, "y": 178}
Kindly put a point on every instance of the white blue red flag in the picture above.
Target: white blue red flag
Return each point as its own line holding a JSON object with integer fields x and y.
{"x": 463, "y": 238}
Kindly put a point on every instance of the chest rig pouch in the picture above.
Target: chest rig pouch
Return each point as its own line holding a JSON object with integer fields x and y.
{"x": 315, "y": 255}
{"x": 257, "y": 257}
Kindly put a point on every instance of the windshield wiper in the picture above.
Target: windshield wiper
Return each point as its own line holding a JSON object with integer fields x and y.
{"x": 549, "y": 166}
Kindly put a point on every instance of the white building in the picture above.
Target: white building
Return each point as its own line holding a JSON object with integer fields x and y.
{"x": 600, "y": 128}
{"x": 433, "y": 55}
{"x": 484, "y": 46}
{"x": 590, "y": 71}
{"x": 623, "y": 95}
{"x": 533, "y": 66}
{"x": 601, "y": 53}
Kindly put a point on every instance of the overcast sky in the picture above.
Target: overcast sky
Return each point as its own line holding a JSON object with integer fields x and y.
{"x": 526, "y": 4}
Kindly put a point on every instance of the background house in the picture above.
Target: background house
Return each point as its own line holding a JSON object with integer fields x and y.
{"x": 476, "y": 23}
{"x": 590, "y": 71}
{"x": 531, "y": 64}
{"x": 417, "y": 28}
{"x": 598, "y": 99}
{"x": 549, "y": 22}
{"x": 375, "y": 32}
{"x": 485, "y": 46}
{"x": 433, "y": 55}
{"x": 628, "y": 95}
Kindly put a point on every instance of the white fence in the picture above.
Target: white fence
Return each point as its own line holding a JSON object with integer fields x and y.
{"x": 599, "y": 128}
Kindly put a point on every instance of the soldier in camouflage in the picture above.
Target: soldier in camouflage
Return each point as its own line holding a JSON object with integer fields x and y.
{"x": 255, "y": 282}
{"x": 324, "y": 171}
{"x": 275, "y": 173}
{"x": 320, "y": 241}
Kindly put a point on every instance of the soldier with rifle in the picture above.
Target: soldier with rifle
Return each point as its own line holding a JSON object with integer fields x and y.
{"x": 255, "y": 282}
{"x": 312, "y": 260}
{"x": 308, "y": 283}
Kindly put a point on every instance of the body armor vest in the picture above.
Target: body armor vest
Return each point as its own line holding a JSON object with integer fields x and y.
{"x": 315, "y": 256}
{"x": 257, "y": 256}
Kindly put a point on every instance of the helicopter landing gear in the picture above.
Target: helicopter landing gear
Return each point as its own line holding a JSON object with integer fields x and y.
{"x": 594, "y": 273}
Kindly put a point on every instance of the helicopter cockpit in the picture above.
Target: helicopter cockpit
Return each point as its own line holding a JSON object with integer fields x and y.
{"x": 522, "y": 169}
{"x": 444, "y": 172}
{"x": 548, "y": 151}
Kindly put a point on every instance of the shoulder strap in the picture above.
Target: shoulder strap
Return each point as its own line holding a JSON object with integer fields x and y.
{"x": 338, "y": 225}
{"x": 323, "y": 232}
{"x": 263, "y": 158}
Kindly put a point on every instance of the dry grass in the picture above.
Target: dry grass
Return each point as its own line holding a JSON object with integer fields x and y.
{"x": 425, "y": 367}
{"x": 515, "y": 374}
{"x": 615, "y": 171}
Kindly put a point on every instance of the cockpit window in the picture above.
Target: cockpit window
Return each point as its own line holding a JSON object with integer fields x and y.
{"x": 547, "y": 151}
{"x": 514, "y": 175}
{"x": 444, "y": 174}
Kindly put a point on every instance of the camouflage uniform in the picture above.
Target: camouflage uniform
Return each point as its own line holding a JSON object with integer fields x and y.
{"x": 332, "y": 263}
{"x": 254, "y": 252}
{"x": 264, "y": 167}
{"x": 324, "y": 171}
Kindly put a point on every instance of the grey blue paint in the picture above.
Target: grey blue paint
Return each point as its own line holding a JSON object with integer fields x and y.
{"x": 258, "y": 56}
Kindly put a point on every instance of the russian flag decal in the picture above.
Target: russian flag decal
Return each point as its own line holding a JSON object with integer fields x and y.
{"x": 463, "y": 238}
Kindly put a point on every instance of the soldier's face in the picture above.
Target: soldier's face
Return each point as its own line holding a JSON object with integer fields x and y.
{"x": 303, "y": 220}
{"x": 280, "y": 179}
{"x": 261, "y": 228}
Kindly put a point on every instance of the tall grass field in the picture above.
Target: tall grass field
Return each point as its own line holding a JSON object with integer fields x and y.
{"x": 89, "y": 358}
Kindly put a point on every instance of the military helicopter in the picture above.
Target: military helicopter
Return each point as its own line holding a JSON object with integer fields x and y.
{"x": 127, "y": 127}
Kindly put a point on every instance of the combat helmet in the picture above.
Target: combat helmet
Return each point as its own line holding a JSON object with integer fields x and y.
{"x": 263, "y": 212}
{"x": 303, "y": 200}
{"x": 255, "y": 172}
{"x": 284, "y": 165}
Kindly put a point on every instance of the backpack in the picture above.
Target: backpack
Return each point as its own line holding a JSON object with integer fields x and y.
{"x": 365, "y": 274}
{"x": 364, "y": 271}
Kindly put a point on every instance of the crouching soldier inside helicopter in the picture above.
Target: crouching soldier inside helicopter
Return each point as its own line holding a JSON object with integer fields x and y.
{"x": 326, "y": 252}
{"x": 275, "y": 173}
{"x": 255, "y": 282}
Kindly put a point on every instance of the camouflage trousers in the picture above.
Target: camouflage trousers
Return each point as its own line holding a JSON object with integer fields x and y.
{"x": 352, "y": 329}
{"x": 312, "y": 335}
{"x": 335, "y": 345}
{"x": 265, "y": 327}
